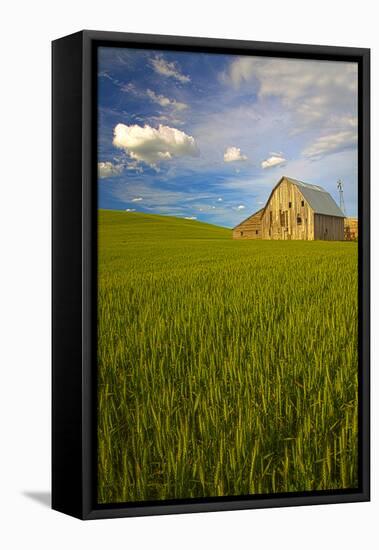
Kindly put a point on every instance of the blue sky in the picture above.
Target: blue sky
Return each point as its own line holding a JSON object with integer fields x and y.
{"x": 207, "y": 136}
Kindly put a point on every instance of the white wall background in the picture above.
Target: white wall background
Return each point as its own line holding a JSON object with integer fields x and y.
{"x": 27, "y": 29}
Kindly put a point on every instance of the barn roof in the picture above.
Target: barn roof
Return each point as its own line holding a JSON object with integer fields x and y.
{"x": 318, "y": 199}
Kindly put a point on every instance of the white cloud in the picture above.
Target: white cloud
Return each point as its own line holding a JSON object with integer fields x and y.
{"x": 273, "y": 160}
{"x": 293, "y": 78}
{"x": 241, "y": 207}
{"x": 203, "y": 207}
{"x": 175, "y": 200}
{"x": 108, "y": 169}
{"x": 133, "y": 165}
{"x": 321, "y": 93}
{"x": 129, "y": 88}
{"x": 219, "y": 199}
{"x": 137, "y": 199}
{"x": 152, "y": 145}
{"x": 163, "y": 119}
{"x": 130, "y": 209}
{"x": 240, "y": 70}
{"x": 233, "y": 154}
{"x": 190, "y": 217}
{"x": 332, "y": 143}
{"x": 158, "y": 98}
{"x": 169, "y": 69}
{"x": 164, "y": 101}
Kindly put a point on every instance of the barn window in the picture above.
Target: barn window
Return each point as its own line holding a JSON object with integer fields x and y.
{"x": 241, "y": 233}
{"x": 302, "y": 203}
{"x": 289, "y": 204}
{"x": 270, "y": 217}
{"x": 256, "y": 231}
{"x": 298, "y": 220}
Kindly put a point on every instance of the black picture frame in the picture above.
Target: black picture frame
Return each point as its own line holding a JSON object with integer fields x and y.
{"x": 74, "y": 202}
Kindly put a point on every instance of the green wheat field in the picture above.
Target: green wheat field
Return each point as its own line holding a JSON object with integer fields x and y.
{"x": 224, "y": 367}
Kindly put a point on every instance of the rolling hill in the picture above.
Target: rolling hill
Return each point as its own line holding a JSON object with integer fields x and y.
{"x": 140, "y": 226}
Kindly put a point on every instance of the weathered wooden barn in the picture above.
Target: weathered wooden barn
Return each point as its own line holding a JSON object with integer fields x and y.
{"x": 295, "y": 211}
{"x": 251, "y": 228}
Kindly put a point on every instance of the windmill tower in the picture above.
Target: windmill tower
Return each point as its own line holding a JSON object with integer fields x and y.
{"x": 342, "y": 201}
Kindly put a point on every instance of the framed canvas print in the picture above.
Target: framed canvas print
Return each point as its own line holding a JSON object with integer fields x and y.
{"x": 210, "y": 274}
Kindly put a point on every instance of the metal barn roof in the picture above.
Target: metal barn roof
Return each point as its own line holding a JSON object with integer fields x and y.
{"x": 318, "y": 199}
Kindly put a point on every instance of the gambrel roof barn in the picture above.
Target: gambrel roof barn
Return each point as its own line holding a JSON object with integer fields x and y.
{"x": 295, "y": 211}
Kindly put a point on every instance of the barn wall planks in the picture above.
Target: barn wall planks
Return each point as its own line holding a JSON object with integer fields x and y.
{"x": 287, "y": 215}
{"x": 251, "y": 228}
{"x": 328, "y": 228}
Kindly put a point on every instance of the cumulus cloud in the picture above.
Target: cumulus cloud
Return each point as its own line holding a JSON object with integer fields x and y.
{"x": 152, "y": 145}
{"x": 240, "y": 207}
{"x": 233, "y": 154}
{"x": 332, "y": 143}
{"x": 274, "y": 160}
{"x": 164, "y": 101}
{"x": 190, "y": 217}
{"x": 108, "y": 169}
{"x": 220, "y": 199}
{"x": 130, "y": 209}
{"x": 137, "y": 199}
{"x": 169, "y": 69}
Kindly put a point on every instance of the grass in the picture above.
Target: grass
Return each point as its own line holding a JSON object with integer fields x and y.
{"x": 225, "y": 367}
